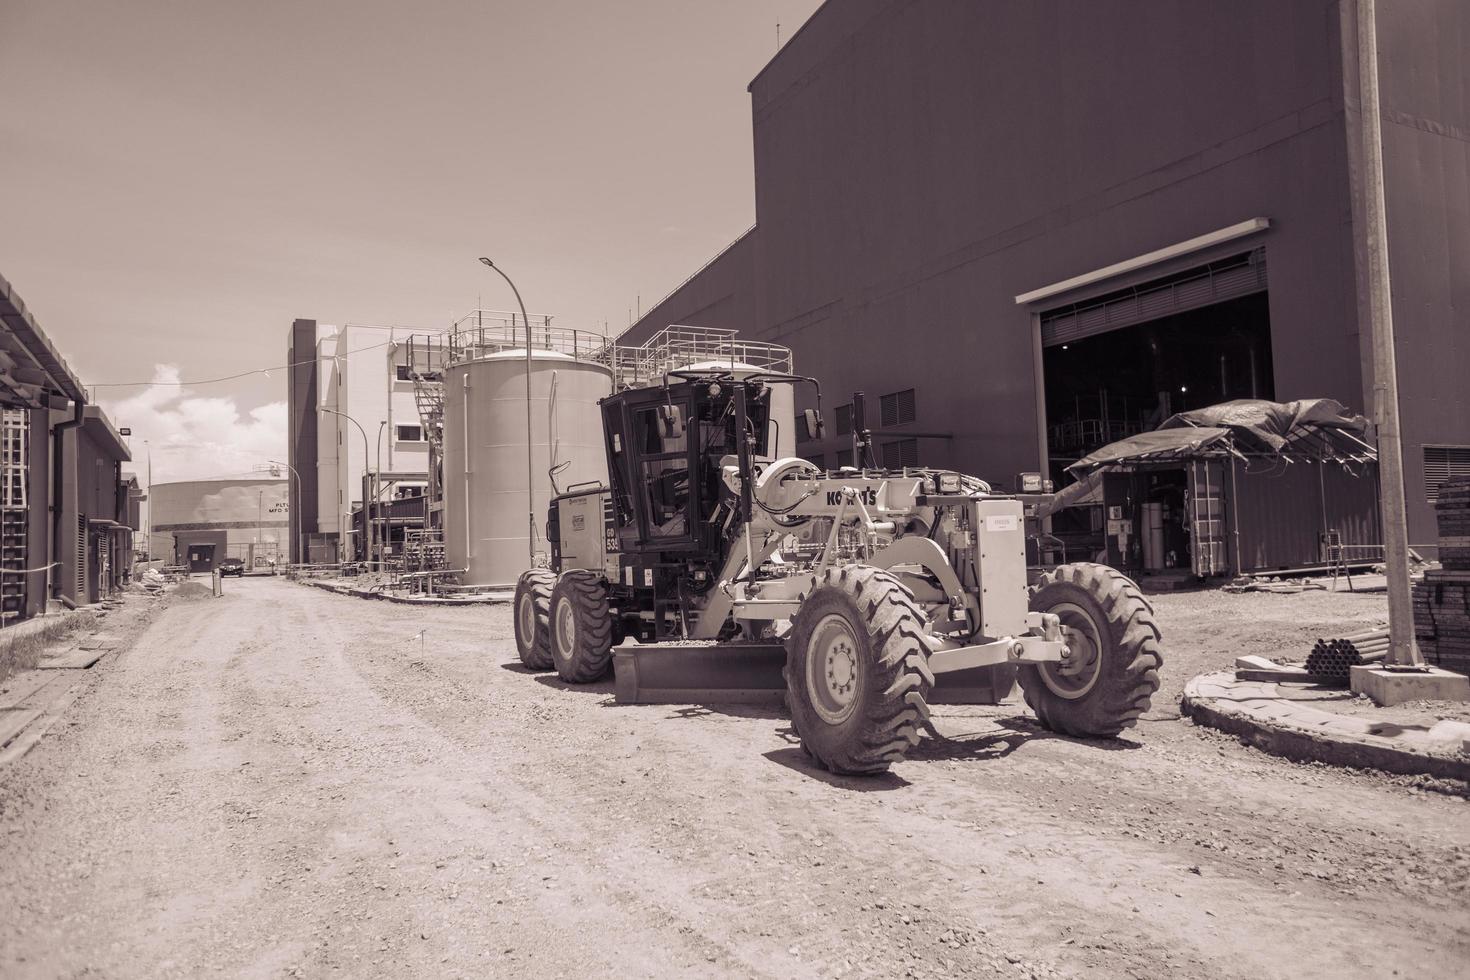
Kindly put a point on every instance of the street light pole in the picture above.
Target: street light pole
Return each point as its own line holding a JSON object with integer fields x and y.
{"x": 530, "y": 479}
{"x": 301, "y": 532}
{"x": 382, "y": 537}
{"x": 365, "y": 512}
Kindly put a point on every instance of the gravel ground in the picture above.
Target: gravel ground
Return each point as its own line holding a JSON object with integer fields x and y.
{"x": 284, "y": 782}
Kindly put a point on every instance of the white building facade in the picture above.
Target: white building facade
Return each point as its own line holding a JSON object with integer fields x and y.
{"x": 352, "y": 413}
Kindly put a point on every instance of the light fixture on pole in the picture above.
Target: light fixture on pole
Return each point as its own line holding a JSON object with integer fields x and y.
{"x": 530, "y": 479}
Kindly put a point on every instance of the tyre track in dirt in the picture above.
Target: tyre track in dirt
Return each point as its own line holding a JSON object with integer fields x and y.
{"x": 1059, "y": 814}
{"x": 287, "y": 782}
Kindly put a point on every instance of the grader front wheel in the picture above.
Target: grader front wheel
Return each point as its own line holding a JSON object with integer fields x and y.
{"x": 857, "y": 672}
{"x": 581, "y": 627}
{"x": 1112, "y": 667}
{"x": 533, "y": 612}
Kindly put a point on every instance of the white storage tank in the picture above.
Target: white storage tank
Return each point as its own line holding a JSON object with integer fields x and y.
{"x": 486, "y": 525}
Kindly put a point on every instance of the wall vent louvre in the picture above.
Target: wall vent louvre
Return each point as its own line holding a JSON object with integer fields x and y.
{"x": 1443, "y": 464}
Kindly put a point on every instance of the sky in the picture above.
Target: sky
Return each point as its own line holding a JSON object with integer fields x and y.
{"x": 180, "y": 180}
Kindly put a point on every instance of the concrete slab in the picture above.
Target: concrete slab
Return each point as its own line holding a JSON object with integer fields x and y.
{"x": 25, "y": 687}
{"x": 75, "y": 660}
{"x": 1276, "y": 674}
{"x": 1298, "y": 729}
{"x": 1387, "y": 686}
{"x": 1452, "y": 734}
{"x": 13, "y": 721}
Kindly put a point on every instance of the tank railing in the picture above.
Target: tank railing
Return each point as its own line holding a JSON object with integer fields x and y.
{"x": 467, "y": 343}
{"x": 482, "y": 333}
{"x": 495, "y": 318}
{"x": 426, "y": 356}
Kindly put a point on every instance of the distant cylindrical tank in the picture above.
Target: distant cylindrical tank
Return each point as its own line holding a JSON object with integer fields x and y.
{"x": 783, "y": 403}
{"x": 486, "y": 520}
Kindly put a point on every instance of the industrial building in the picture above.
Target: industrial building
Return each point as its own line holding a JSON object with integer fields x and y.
{"x": 1026, "y": 230}
{"x": 199, "y": 523}
{"x": 67, "y": 512}
{"x": 353, "y": 422}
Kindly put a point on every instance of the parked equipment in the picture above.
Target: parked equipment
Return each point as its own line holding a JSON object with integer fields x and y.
{"x": 869, "y": 588}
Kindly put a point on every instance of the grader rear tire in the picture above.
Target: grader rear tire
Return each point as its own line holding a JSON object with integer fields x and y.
{"x": 857, "y": 671}
{"x": 1112, "y": 671}
{"x": 533, "y": 614}
{"x": 581, "y": 627}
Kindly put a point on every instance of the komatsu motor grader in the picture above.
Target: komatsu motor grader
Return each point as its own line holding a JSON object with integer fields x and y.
{"x": 871, "y": 587}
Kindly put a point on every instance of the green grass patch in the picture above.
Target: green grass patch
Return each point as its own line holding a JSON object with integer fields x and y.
{"x": 21, "y": 645}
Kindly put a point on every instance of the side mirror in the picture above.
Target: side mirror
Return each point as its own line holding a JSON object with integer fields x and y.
{"x": 670, "y": 421}
{"x": 815, "y": 427}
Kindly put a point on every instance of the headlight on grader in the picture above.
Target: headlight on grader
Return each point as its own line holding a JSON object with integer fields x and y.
{"x": 949, "y": 483}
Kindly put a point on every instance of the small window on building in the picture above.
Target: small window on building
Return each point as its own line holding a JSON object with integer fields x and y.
{"x": 904, "y": 452}
{"x": 844, "y": 458}
{"x": 400, "y": 371}
{"x": 898, "y": 408}
{"x": 1443, "y": 464}
{"x": 410, "y": 433}
{"x": 844, "y": 420}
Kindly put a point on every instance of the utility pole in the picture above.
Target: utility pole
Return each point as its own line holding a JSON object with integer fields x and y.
{"x": 1402, "y": 651}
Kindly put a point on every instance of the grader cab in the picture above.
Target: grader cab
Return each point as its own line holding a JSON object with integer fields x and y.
{"x": 874, "y": 592}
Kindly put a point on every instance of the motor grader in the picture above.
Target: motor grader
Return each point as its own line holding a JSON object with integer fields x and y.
{"x": 872, "y": 588}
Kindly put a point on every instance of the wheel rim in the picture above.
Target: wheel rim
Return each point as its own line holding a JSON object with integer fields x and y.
{"x": 566, "y": 629}
{"x": 832, "y": 669}
{"x": 526, "y": 619}
{"x": 1075, "y": 676}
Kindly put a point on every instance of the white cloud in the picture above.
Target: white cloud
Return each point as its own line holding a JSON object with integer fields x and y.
{"x": 196, "y": 437}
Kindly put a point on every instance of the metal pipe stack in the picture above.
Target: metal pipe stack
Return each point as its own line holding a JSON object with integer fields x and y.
{"x": 1442, "y": 600}
{"x": 1330, "y": 659}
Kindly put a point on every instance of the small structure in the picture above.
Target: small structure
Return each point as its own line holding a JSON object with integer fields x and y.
{"x": 392, "y": 519}
{"x": 201, "y": 522}
{"x": 1246, "y": 486}
{"x": 65, "y": 527}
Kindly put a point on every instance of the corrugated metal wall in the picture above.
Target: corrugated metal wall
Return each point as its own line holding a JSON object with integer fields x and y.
{"x": 1281, "y": 511}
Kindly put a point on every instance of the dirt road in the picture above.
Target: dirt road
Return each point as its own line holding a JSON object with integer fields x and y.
{"x": 288, "y": 783}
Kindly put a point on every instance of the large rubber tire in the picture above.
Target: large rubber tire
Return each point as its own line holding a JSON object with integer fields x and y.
{"x": 1113, "y": 670}
{"x": 581, "y": 627}
{"x": 532, "y": 618}
{"x": 857, "y": 670}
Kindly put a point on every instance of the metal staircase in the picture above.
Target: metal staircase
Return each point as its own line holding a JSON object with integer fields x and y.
{"x": 14, "y": 515}
{"x": 427, "y": 357}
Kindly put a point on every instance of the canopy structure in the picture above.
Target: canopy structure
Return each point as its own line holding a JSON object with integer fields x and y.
{"x": 1309, "y": 430}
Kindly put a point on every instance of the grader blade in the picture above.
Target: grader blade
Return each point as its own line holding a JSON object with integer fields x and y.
{"x": 751, "y": 673}
{"x": 699, "y": 673}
